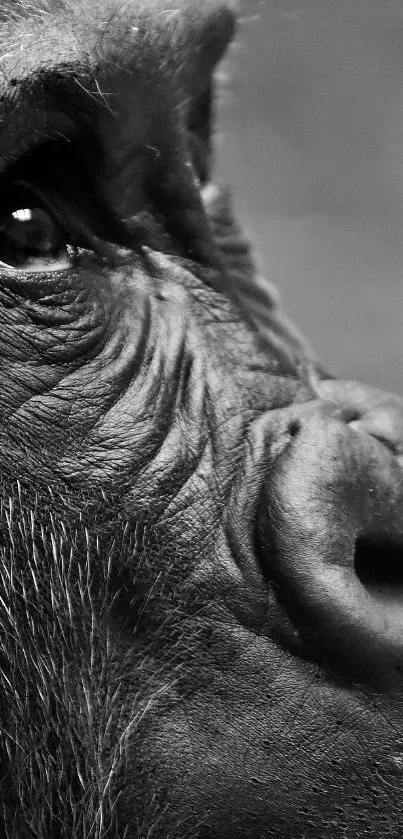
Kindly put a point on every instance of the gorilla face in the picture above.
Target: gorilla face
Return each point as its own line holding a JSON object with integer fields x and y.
{"x": 201, "y": 533}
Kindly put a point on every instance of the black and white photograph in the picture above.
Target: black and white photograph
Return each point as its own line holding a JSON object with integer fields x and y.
{"x": 201, "y": 419}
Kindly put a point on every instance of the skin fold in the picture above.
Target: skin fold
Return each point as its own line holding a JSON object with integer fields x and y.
{"x": 200, "y": 530}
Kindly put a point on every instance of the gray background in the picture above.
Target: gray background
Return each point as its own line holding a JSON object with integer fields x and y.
{"x": 311, "y": 137}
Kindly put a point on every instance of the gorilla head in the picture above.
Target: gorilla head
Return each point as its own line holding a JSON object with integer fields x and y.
{"x": 200, "y": 532}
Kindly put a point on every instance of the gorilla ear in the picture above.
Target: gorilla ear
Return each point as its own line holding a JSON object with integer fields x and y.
{"x": 215, "y": 35}
{"x": 200, "y": 126}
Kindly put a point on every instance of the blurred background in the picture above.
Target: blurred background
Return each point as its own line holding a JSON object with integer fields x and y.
{"x": 311, "y": 138}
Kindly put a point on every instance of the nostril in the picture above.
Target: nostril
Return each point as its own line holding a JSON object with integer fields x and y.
{"x": 378, "y": 564}
{"x": 294, "y": 427}
{"x": 350, "y": 414}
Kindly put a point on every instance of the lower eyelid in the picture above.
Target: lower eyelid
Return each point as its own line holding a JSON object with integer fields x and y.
{"x": 40, "y": 266}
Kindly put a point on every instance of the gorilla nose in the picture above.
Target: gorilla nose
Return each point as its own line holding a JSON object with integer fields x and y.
{"x": 331, "y": 529}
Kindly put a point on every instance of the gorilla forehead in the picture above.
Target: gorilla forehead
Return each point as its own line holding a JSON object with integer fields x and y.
{"x": 61, "y": 59}
{"x": 157, "y": 12}
{"x": 68, "y": 32}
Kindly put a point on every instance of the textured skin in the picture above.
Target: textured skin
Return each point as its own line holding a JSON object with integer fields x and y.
{"x": 190, "y": 646}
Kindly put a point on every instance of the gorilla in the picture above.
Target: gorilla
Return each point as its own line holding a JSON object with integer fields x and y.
{"x": 201, "y": 531}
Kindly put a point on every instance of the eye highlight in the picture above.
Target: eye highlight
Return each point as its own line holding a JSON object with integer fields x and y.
{"x": 32, "y": 240}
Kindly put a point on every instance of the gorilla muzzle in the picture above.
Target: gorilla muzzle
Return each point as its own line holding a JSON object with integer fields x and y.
{"x": 331, "y": 530}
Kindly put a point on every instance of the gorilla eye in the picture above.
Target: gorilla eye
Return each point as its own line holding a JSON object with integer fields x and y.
{"x": 32, "y": 240}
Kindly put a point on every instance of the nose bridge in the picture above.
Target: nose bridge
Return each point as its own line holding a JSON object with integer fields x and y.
{"x": 335, "y": 494}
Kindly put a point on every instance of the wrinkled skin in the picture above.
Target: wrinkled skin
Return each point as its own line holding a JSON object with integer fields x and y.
{"x": 201, "y": 532}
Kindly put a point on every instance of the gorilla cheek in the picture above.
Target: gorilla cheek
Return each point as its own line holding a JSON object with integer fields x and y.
{"x": 330, "y": 536}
